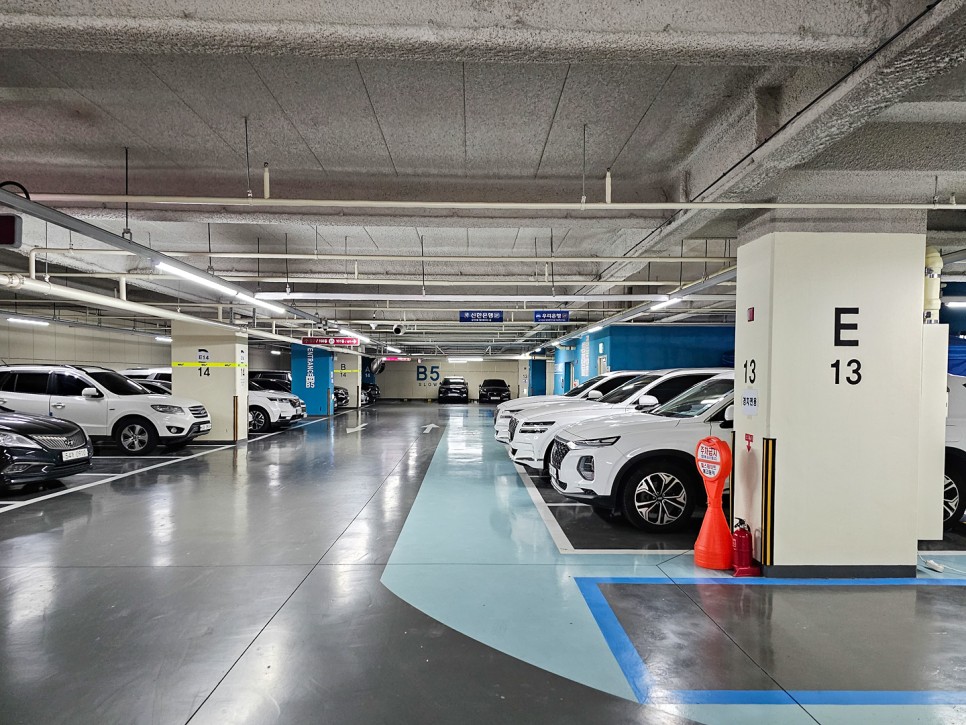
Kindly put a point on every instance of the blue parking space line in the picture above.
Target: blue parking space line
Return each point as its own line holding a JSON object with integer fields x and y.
{"x": 650, "y": 692}
{"x": 620, "y": 644}
{"x": 777, "y": 581}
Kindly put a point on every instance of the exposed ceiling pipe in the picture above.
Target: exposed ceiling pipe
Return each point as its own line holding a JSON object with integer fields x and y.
{"x": 58, "y": 218}
{"x": 39, "y": 251}
{"x": 19, "y": 283}
{"x": 687, "y": 291}
{"x": 476, "y": 205}
{"x": 365, "y": 281}
{"x": 467, "y": 299}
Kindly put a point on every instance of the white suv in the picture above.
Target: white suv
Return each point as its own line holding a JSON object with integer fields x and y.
{"x": 593, "y": 389}
{"x": 641, "y": 465}
{"x": 270, "y": 408}
{"x": 105, "y": 404}
{"x": 532, "y": 431}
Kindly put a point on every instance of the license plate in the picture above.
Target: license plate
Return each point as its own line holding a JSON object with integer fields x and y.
{"x": 205, "y": 426}
{"x": 74, "y": 455}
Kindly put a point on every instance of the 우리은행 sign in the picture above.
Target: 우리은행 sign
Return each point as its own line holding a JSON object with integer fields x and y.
{"x": 551, "y": 315}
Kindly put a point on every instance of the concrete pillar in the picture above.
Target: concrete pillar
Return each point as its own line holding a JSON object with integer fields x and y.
{"x": 832, "y": 427}
{"x": 312, "y": 378}
{"x": 348, "y": 375}
{"x": 210, "y": 364}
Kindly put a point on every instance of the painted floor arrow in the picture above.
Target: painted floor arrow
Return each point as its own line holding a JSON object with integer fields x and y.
{"x": 429, "y": 427}
{"x": 356, "y": 430}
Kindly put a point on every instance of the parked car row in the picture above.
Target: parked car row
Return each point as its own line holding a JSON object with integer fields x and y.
{"x": 629, "y": 453}
{"x": 455, "y": 389}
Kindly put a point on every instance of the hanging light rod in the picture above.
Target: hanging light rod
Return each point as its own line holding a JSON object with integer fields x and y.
{"x": 474, "y": 205}
{"x": 65, "y": 221}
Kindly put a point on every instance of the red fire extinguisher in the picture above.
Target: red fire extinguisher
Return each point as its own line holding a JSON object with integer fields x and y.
{"x": 744, "y": 564}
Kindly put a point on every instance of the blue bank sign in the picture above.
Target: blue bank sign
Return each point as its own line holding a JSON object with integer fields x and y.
{"x": 551, "y": 315}
{"x": 481, "y": 316}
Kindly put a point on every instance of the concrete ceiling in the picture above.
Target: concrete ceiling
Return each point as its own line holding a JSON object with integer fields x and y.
{"x": 469, "y": 101}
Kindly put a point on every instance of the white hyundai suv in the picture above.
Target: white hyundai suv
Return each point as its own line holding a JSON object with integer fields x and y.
{"x": 105, "y": 404}
{"x": 532, "y": 431}
{"x": 641, "y": 465}
{"x": 270, "y": 408}
{"x": 593, "y": 389}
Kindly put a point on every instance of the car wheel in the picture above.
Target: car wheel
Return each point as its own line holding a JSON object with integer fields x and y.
{"x": 659, "y": 496}
{"x": 954, "y": 498}
{"x": 135, "y": 437}
{"x": 260, "y": 421}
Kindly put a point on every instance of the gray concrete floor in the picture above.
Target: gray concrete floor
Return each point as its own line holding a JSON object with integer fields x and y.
{"x": 171, "y": 590}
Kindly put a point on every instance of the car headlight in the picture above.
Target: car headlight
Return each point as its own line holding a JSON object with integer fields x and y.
{"x": 593, "y": 442}
{"x": 541, "y": 426}
{"x": 15, "y": 440}
{"x": 169, "y": 409}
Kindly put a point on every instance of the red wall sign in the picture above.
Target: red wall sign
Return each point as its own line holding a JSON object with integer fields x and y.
{"x": 340, "y": 341}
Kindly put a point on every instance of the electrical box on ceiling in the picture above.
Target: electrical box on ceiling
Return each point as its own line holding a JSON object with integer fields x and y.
{"x": 11, "y": 231}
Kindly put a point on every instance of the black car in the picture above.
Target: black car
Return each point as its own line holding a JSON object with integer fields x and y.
{"x": 494, "y": 390}
{"x": 340, "y": 396}
{"x": 155, "y": 386}
{"x": 373, "y": 390}
{"x": 453, "y": 390}
{"x": 40, "y": 448}
{"x": 276, "y": 384}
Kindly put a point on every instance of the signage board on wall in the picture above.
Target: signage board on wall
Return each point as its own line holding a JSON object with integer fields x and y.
{"x": 585, "y": 358}
{"x": 337, "y": 341}
{"x": 551, "y": 315}
{"x": 481, "y": 316}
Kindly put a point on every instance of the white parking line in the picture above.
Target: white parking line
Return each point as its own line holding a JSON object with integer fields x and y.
{"x": 168, "y": 461}
{"x": 571, "y": 503}
{"x": 560, "y": 538}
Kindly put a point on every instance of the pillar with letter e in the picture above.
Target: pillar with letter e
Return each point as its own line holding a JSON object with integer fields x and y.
{"x": 837, "y": 395}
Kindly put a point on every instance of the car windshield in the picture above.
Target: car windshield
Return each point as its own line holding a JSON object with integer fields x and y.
{"x": 494, "y": 383}
{"x": 252, "y": 385}
{"x": 454, "y": 381}
{"x": 116, "y": 383}
{"x": 625, "y": 391}
{"x": 269, "y": 384}
{"x": 575, "y": 392}
{"x": 697, "y": 400}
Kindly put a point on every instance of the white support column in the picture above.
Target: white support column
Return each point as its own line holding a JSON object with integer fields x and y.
{"x": 211, "y": 365}
{"x": 348, "y": 375}
{"x": 830, "y": 413}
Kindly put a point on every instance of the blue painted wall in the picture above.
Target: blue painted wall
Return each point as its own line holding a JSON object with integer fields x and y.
{"x": 315, "y": 390}
{"x": 645, "y": 347}
{"x": 538, "y": 377}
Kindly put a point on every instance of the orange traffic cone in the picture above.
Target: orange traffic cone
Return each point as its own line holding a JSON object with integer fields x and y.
{"x": 713, "y": 549}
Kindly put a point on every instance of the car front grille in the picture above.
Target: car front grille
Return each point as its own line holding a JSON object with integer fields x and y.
{"x": 61, "y": 443}
{"x": 514, "y": 422}
{"x": 558, "y": 453}
{"x": 198, "y": 411}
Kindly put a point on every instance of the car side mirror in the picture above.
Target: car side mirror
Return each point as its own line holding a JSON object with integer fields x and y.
{"x": 647, "y": 402}
{"x": 594, "y": 395}
{"x": 729, "y": 417}
{"x": 91, "y": 393}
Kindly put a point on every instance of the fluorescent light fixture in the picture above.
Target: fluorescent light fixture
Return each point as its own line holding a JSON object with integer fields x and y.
{"x": 595, "y": 328}
{"x": 349, "y": 333}
{"x": 163, "y": 338}
{"x": 539, "y": 349}
{"x": 458, "y": 360}
{"x": 390, "y": 348}
{"x": 200, "y": 278}
{"x": 25, "y": 321}
{"x": 666, "y": 303}
{"x": 955, "y": 304}
{"x": 276, "y": 352}
{"x": 242, "y": 297}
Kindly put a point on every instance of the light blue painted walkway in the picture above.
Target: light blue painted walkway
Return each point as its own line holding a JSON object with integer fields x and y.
{"x": 475, "y": 555}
